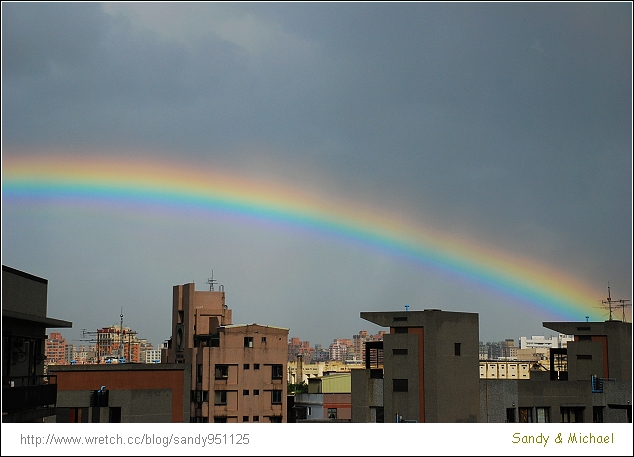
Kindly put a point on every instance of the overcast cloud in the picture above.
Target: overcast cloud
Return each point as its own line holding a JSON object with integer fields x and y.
{"x": 510, "y": 124}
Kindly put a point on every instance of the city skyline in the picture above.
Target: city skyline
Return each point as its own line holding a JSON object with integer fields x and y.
{"x": 322, "y": 160}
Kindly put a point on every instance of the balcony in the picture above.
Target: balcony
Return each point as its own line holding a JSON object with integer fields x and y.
{"x": 28, "y": 398}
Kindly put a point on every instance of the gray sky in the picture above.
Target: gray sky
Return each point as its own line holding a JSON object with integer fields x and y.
{"x": 507, "y": 124}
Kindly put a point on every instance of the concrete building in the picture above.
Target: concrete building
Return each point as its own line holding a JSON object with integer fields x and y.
{"x": 328, "y": 400}
{"x": 27, "y": 394}
{"x": 238, "y": 371}
{"x": 588, "y": 381}
{"x": 123, "y": 392}
{"x": 429, "y": 372}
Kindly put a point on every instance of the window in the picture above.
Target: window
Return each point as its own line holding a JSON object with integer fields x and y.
{"x": 571, "y": 414}
{"x": 245, "y": 418}
{"x": 264, "y": 339}
{"x": 399, "y": 385}
{"x": 256, "y": 418}
{"x": 220, "y": 419}
{"x": 245, "y": 392}
{"x": 399, "y": 351}
{"x": 332, "y": 413}
{"x": 256, "y": 366}
{"x": 256, "y": 391}
{"x": 456, "y": 348}
{"x": 400, "y": 319}
{"x": 597, "y": 414}
{"x": 222, "y": 371}
{"x": 526, "y": 415}
{"x": 276, "y": 372}
{"x": 246, "y": 366}
{"x": 276, "y": 396}
{"x": 220, "y": 397}
{"x": 543, "y": 415}
{"x": 248, "y": 341}
{"x": 199, "y": 372}
{"x": 275, "y": 419}
{"x": 584, "y": 357}
{"x": 400, "y": 329}
{"x": 510, "y": 414}
{"x": 198, "y": 396}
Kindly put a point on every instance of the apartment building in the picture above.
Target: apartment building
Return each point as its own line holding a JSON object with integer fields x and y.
{"x": 429, "y": 371}
{"x": 115, "y": 342}
{"x": 28, "y": 395}
{"x": 238, "y": 370}
{"x": 55, "y": 349}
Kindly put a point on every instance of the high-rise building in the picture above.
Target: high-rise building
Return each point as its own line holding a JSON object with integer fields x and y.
{"x": 116, "y": 343}
{"x": 55, "y": 349}
{"x": 238, "y": 371}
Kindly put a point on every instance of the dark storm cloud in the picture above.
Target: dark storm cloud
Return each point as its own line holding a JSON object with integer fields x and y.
{"x": 509, "y": 123}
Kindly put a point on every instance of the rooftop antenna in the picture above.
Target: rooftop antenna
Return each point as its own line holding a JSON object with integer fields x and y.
{"x": 617, "y": 304}
{"x": 121, "y": 351}
{"x": 211, "y": 281}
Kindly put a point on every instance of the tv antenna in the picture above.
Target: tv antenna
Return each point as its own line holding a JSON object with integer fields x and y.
{"x": 615, "y": 304}
{"x": 212, "y": 282}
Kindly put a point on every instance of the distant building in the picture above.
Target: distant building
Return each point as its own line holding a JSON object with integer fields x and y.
{"x": 238, "y": 371}
{"x": 116, "y": 343}
{"x": 429, "y": 372}
{"x": 297, "y": 347}
{"x": 590, "y": 380}
{"x": 55, "y": 349}
{"x": 508, "y": 350}
{"x": 314, "y": 370}
{"x": 151, "y": 356}
{"x": 319, "y": 354}
{"x": 535, "y": 342}
{"x": 27, "y": 394}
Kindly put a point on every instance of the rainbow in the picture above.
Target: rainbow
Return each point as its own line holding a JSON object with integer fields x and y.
{"x": 64, "y": 179}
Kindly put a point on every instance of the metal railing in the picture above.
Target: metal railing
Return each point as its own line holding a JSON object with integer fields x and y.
{"x": 20, "y": 393}
{"x": 597, "y": 383}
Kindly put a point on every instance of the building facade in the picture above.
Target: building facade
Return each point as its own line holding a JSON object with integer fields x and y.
{"x": 429, "y": 371}
{"x": 328, "y": 400}
{"x": 123, "y": 393}
{"x": 55, "y": 349}
{"x": 590, "y": 380}
{"x": 238, "y": 371}
{"x": 27, "y": 394}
